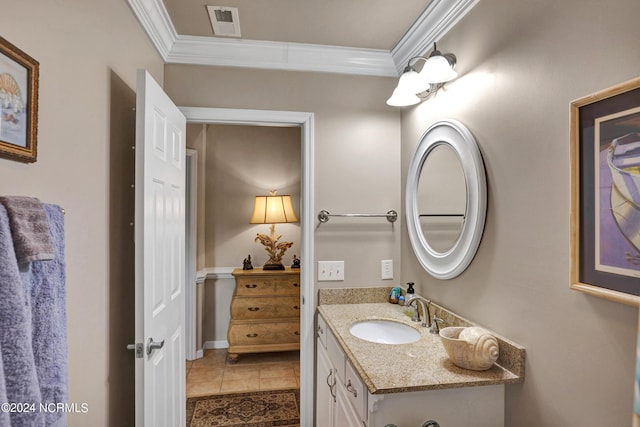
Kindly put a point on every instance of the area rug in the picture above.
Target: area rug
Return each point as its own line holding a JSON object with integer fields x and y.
{"x": 258, "y": 409}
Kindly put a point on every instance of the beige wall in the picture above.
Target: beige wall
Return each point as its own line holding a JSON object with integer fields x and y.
{"x": 240, "y": 163}
{"x": 88, "y": 53}
{"x": 357, "y": 151}
{"x": 520, "y": 65}
{"x": 243, "y": 162}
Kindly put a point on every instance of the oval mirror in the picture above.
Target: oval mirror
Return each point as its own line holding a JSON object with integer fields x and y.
{"x": 446, "y": 199}
{"x": 442, "y": 198}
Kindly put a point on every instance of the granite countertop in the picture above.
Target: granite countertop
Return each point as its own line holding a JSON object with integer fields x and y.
{"x": 423, "y": 365}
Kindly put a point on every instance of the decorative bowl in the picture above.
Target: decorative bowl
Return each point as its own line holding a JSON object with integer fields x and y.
{"x": 470, "y": 348}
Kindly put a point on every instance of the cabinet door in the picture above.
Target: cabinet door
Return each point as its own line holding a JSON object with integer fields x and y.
{"x": 325, "y": 389}
{"x": 345, "y": 414}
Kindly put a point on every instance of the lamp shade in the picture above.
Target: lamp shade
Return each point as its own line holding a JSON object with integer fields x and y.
{"x": 405, "y": 93}
{"x": 402, "y": 99}
{"x": 438, "y": 69}
{"x": 273, "y": 210}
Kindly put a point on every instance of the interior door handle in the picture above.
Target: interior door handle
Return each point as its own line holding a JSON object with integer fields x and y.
{"x": 152, "y": 345}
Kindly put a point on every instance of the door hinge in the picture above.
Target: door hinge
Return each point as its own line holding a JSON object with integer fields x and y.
{"x": 138, "y": 347}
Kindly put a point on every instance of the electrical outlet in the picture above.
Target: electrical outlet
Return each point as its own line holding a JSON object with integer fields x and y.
{"x": 386, "y": 269}
{"x": 330, "y": 271}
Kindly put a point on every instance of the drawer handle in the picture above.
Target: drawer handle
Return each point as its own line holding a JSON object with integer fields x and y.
{"x": 252, "y": 335}
{"x": 253, "y": 308}
{"x": 296, "y": 307}
{"x": 252, "y": 286}
{"x": 331, "y": 385}
{"x": 296, "y": 285}
{"x": 296, "y": 333}
{"x": 351, "y": 389}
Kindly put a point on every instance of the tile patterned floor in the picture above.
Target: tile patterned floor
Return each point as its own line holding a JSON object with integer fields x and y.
{"x": 213, "y": 374}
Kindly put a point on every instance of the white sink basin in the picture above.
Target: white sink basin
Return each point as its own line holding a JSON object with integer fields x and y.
{"x": 384, "y": 332}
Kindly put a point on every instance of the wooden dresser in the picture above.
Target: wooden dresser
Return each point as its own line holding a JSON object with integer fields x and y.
{"x": 265, "y": 312}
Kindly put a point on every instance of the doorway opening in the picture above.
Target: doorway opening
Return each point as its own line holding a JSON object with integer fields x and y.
{"x": 303, "y": 123}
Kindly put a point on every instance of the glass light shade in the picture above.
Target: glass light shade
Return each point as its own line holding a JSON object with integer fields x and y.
{"x": 273, "y": 210}
{"x": 402, "y": 99}
{"x": 411, "y": 81}
{"x": 405, "y": 93}
{"x": 438, "y": 70}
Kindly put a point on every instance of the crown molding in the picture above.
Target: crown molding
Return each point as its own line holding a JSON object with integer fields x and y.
{"x": 437, "y": 19}
{"x": 155, "y": 21}
{"x": 281, "y": 56}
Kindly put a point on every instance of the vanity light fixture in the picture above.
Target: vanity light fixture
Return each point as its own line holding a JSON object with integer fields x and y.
{"x": 273, "y": 209}
{"x": 414, "y": 87}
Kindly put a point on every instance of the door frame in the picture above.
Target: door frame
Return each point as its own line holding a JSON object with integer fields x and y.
{"x": 191, "y": 191}
{"x": 305, "y": 121}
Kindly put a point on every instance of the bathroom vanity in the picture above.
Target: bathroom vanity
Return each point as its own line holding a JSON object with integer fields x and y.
{"x": 362, "y": 383}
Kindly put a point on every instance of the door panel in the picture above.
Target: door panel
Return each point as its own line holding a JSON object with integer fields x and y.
{"x": 160, "y": 256}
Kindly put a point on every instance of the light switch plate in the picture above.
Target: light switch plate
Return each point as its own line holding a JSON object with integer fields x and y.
{"x": 386, "y": 269}
{"x": 330, "y": 271}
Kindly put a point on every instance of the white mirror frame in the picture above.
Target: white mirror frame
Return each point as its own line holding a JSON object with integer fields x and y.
{"x": 449, "y": 264}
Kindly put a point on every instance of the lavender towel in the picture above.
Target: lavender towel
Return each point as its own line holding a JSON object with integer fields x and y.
{"x": 45, "y": 282}
{"x": 4, "y": 416}
{"x": 29, "y": 228}
{"x": 20, "y": 375}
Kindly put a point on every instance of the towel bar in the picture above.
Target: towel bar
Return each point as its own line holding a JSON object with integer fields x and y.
{"x": 392, "y": 216}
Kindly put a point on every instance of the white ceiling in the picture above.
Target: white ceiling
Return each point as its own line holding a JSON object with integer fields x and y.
{"x": 365, "y": 37}
{"x": 372, "y": 24}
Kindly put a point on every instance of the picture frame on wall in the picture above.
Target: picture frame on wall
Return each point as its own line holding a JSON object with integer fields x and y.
{"x": 605, "y": 193}
{"x": 19, "y": 75}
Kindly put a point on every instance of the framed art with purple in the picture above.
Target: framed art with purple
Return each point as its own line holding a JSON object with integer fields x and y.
{"x": 605, "y": 193}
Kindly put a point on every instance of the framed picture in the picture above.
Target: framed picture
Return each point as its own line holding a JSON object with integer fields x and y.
{"x": 18, "y": 103}
{"x": 605, "y": 193}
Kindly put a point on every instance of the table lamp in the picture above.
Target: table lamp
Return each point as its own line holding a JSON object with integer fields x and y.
{"x": 273, "y": 209}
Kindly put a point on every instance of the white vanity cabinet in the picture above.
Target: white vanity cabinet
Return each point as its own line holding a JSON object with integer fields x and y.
{"x": 340, "y": 393}
{"x": 325, "y": 381}
{"x": 343, "y": 400}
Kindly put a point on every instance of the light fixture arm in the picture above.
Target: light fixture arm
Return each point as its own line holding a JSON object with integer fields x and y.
{"x": 410, "y": 67}
{"x": 450, "y": 57}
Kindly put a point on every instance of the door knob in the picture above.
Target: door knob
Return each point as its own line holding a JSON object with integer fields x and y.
{"x": 152, "y": 345}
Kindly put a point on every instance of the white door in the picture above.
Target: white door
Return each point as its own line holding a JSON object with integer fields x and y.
{"x": 160, "y": 257}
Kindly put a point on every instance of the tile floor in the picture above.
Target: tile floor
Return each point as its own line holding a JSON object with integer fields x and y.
{"x": 213, "y": 374}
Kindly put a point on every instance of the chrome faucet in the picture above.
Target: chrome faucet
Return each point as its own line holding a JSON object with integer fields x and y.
{"x": 424, "y": 303}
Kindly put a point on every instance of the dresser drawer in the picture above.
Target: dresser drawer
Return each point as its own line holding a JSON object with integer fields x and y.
{"x": 243, "y": 334}
{"x": 265, "y": 285}
{"x": 288, "y": 285}
{"x": 246, "y": 308}
{"x": 255, "y": 286}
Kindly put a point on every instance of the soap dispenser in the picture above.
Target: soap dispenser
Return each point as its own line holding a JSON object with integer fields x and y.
{"x": 409, "y": 310}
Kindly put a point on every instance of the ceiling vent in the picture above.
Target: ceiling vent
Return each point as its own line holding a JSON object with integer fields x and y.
{"x": 225, "y": 21}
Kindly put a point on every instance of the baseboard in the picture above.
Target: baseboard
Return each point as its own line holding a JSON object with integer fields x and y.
{"x": 199, "y": 354}
{"x": 212, "y": 345}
